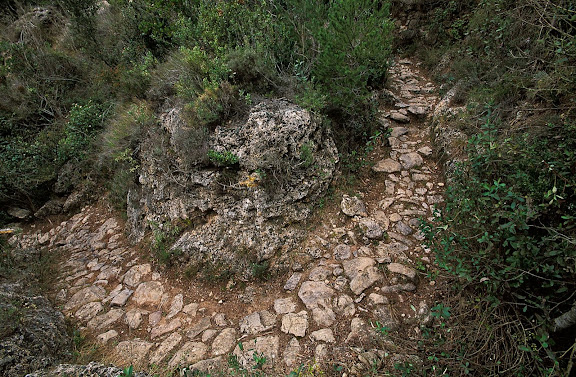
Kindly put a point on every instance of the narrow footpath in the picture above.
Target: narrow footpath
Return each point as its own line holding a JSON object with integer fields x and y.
{"x": 364, "y": 274}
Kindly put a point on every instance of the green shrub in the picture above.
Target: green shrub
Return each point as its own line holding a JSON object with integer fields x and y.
{"x": 84, "y": 121}
{"x": 225, "y": 158}
{"x": 354, "y": 51}
{"x": 509, "y": 228}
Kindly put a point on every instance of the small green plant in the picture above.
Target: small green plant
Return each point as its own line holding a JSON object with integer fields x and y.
{"x": 259, "y": 359}
{"x": 163, "y": 236}
{"x": 440, "y": 311}
{"x": 380, "y": 328}
{"x": 260, "y": 270}
{"x": 128, "y": 371}
{"x": 225, "y": 158}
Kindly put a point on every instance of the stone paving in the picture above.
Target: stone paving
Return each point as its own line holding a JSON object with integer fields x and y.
{"x": 361, "y": 271}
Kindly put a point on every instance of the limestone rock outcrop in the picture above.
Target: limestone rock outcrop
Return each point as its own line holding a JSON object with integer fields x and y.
{"x": 244, "y": 205}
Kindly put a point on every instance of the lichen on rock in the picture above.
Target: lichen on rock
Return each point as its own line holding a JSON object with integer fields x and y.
{"x": 246, "y": 205}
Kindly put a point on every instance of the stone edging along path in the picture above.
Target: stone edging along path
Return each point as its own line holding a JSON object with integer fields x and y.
{"x": 362, "y": 273}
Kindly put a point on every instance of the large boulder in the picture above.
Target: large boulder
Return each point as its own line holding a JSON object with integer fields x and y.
{"x": 244, "y": 205}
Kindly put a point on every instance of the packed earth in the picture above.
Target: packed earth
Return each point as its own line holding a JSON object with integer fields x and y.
{"x": 357, "y": 276}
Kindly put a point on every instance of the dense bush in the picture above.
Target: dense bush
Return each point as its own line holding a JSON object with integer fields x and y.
{"x": 508, "y": 230}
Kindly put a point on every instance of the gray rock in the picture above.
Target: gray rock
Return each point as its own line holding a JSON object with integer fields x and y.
{"x": 321, "y": 353}
{"x": 344, "y": 306}
{"x": 365, "y": 279}
{"x": 84, "y": 296}
{"x": 199, "y": 327}
{"x": 252, "y": 324}
{"x": 404, "y": 228}
{"x": 148, "y": 293}
{"x": 425, "y": 151}
{"x": 209, "y": 365}
{"x": 134, "y": 318}
{"x": 293, "y": 281}
{"x": 387, "y": 166}
{"x": 319, "y": 273}
{"x": 313, "y": 294}
{"x": 164, "y": 328}
{"x": 398, "y": 131}
{"x": 190, "y": 353}
{"x": 89, "y": 311}
{"x": 295, "y": 323}
{"x": 399, "y": 117}
{"x": 291, "y": 353}
{"x": 105, "y": 320}
{"x": 352, "y": 206}
{"x": 191, "y": 309}
{"x": 224, "y": 342}
{"x": 165, "y": 348}
{"x": 324, "y": 316}
{"x": 19, "y": 213}
{"x": 296, "y": 156}
{"x": 33, "y": 336}
{"x": 220, "y": 320}
{"x": 92, "y": 369}
{"x": 208, "y": 334}
{"x": 134, "y": 275}
{"x": 356, "y": 266}
{"x": 342, "y": 252}
{"x": 266, "y": 346}
{"x": 377, "y": 299}
{"x": 51, "y": 207}
{"x": 411, "y": 160}
{"x": 284, "y": 305}
{"x": 418, "y": 110}
{"x": 105, "y": 337}
{"x": 403, "y": 270}
{"x": 371, "y": 228}
{"x": 176, "y": 306}
{"x": 359, "y": 332}
{"x": 323, "y": 335}
{"x": 134, "y": 350}
{"x": 121, "y": 298}
{"x": 408, "y": 287}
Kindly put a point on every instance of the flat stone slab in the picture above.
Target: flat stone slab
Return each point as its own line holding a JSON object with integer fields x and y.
{"x": 365, "y": 279}
{"x": 401, "y": 269}
{"x": 106, "y": 320}
{"x": 356, "y": 266}
{"x": 89, "y": 311}
{"x": 164, "y": 328}
{"x": 84, "y": 296}
{"x": 387, "y": 166}
{"x": 165, "y": 348}
{"x": 323, "y": 335}
{"x": 224, "y": 342}
{"x": 199, "y": 327}
{"x": 411, "y": 160}
{"x": 148, "y": 293}
{"x": 190, "y": 353}
{"x": 284, "y": 305}
{"x": 314, "y": 293}
{"x": 295, "y": 323}
{"x": 134, "y": 351}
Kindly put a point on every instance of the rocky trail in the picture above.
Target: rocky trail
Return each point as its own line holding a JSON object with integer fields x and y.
{"x": 362, "y": 272}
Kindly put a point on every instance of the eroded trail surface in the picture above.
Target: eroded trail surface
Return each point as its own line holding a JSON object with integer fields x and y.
{"x": 359, "y": 270}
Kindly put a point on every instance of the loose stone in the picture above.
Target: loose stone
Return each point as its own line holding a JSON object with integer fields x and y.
{"x": 295, "y": 323}
{"x": 323, "y": 335}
